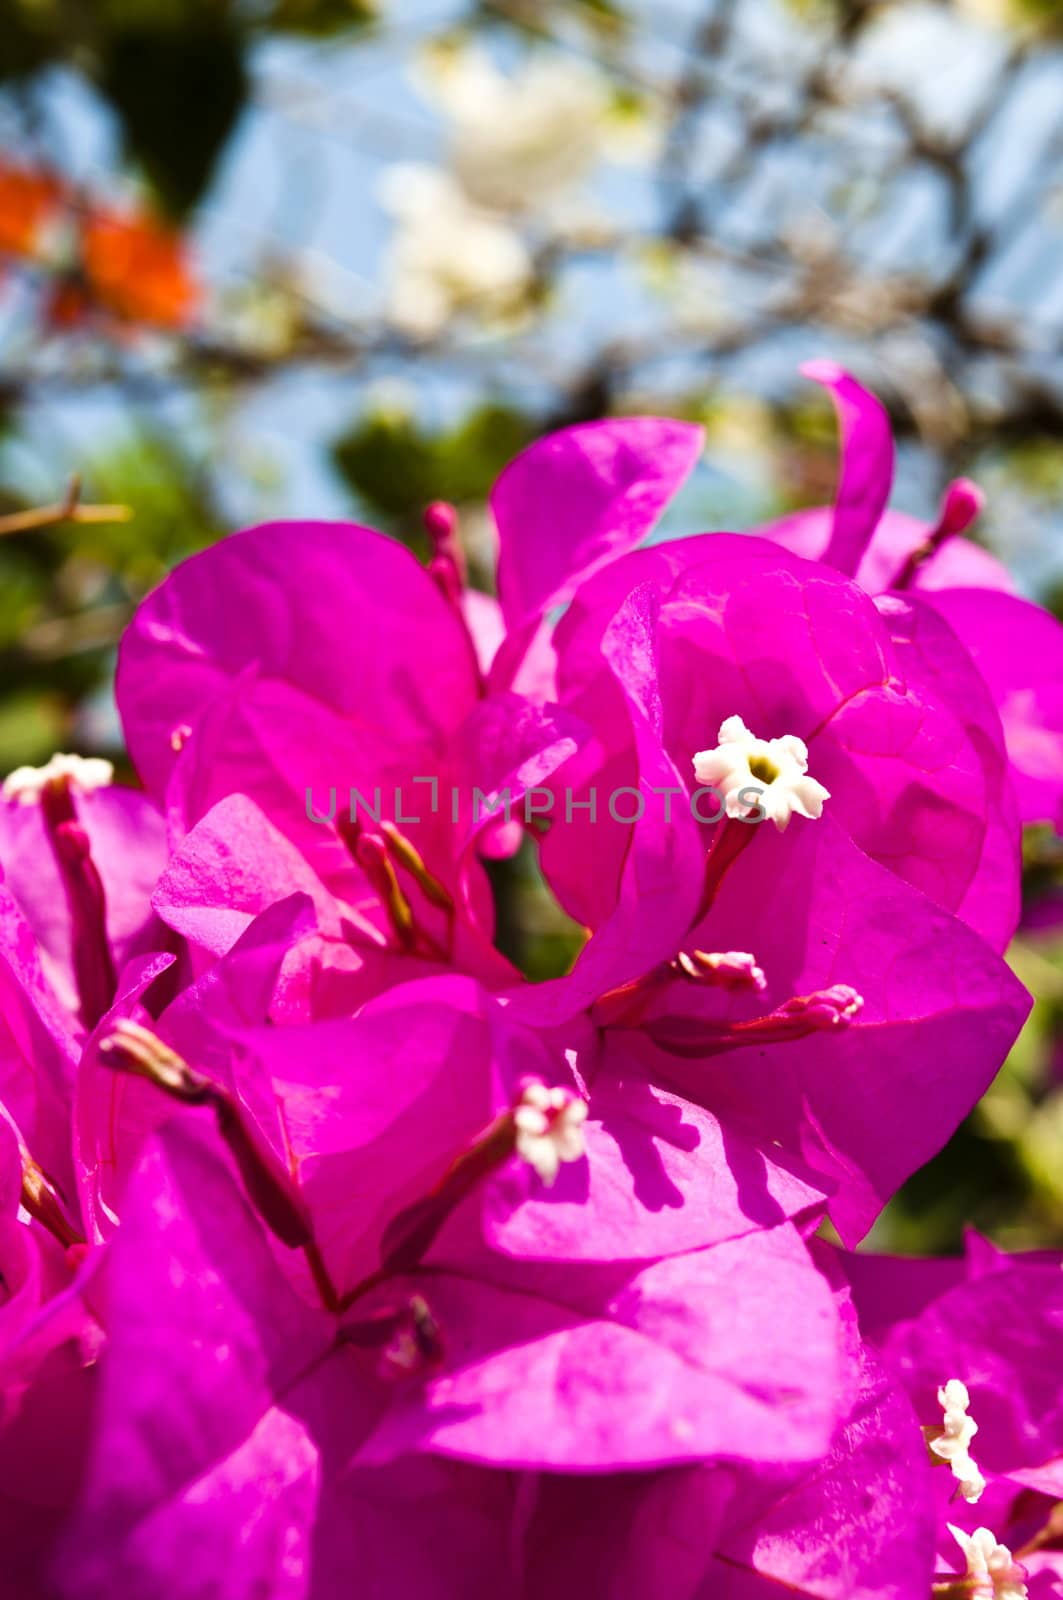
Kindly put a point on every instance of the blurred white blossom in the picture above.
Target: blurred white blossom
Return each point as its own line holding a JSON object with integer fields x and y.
{"x": 518, "y": 140}
{"x": 448, "y": 255}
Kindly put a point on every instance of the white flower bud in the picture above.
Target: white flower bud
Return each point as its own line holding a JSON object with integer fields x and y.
{"x": 953, "y": 1445}
{"x": 991, "y": 1570}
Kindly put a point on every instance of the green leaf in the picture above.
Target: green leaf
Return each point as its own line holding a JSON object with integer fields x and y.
{"x": 396, "y": 467}
{"x": 172, "y": 516}
{"x": 178, "y": 92}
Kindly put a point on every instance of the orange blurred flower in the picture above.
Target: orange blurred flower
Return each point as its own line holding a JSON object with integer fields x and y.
{"x": 138, "y": 269}
{"x": 28, "y": 200}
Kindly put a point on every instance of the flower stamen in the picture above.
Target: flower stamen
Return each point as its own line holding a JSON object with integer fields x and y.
{"x": 378, "y": 855}
{"x": 446, "y": 564}
{"x": 824, "y": 1011}
{"x": 40, "y": 1196}
{"x": 724, "y": 969}
{"x": 130, "y": 1047}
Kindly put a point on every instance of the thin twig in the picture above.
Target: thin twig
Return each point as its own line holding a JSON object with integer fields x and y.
{"x": 68, "y": 509}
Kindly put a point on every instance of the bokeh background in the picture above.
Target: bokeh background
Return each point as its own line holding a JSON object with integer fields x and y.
{"x": 335, "y": 258}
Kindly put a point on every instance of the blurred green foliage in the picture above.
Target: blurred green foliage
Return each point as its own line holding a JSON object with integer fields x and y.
{"x": 396, "y": 466}
{"x": 173, "y": 512}
{"x": 318, "y": 17}
{"x": 1048, "y": 13}
{"x": 68, "y": 590}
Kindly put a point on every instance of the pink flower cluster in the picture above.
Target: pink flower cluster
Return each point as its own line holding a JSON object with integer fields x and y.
{"x": 339, "y": 1259}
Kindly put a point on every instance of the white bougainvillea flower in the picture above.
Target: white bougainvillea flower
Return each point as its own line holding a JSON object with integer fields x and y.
{"x": 518, "y": 140}
{"x": 82, "y": 772}
{"x": 770, "y": 773}
{"x": 549, "y": 1125}
{"x": 448, "y": 255}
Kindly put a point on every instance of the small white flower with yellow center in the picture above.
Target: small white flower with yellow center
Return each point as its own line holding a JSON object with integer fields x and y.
{"x": 772, "y": 773}
{"x": 954, "y": 1445}
{"x": 992, "y": 1571}
{"x": 26, "y": 784}
{"x": 549, "y": 1125}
